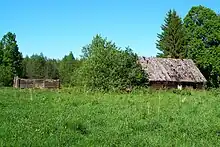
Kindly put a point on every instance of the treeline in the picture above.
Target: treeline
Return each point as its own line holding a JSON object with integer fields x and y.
{"x": 102, "y": 66}
{"x": 12, "y": 63}
{"x": 41, "y": 67}
{"x": 105, "y": 66}
{"x": 197, "y": 37}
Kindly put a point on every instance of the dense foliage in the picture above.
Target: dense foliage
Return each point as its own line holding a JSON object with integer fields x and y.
{"x": 107, "y": 67}
{"x": 103, "y": 66}
{"x": 5, "y": 75}
{"x": 197, "y": 38}
{"x": 68, "y": 69}
{"x": 10, "y": 59}
{"x": 202, "y": 26}
{"x": 38, "y": 66}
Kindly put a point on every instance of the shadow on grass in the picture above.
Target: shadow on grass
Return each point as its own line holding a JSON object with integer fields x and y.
{"x": 77, "y": 126}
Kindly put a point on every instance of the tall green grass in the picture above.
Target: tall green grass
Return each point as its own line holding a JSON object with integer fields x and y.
{"x": 73, "y": 117}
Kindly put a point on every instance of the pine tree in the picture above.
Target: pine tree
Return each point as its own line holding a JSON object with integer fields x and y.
{"x": 51, "y": 71}
{"x": 171, "y": 40}
{"x": 70, "y": 57}
{"x": 66, "y": 68}
{"x": 38, "y": 66}
{"x": 25, "y": 68}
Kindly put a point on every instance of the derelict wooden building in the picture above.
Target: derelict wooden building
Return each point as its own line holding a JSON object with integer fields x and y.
{"x": 36, "y": 83}
{"x": 172, "y": 73}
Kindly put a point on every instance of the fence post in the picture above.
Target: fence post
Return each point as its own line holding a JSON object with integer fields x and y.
{"x": 16, "y": 82}
{"x": 58, "y": 83}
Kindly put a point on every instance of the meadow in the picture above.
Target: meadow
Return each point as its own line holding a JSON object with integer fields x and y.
{"x": 73, "y": 117}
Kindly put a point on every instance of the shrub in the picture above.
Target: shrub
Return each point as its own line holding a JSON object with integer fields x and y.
{"x": 6, "y": 76}
{"x": 107, "y": 67}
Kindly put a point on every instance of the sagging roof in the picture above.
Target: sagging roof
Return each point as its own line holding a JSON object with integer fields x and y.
{"x": 171, "y": 70}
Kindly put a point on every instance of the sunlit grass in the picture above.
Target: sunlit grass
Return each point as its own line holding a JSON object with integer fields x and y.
{"x": 73, "y": 117}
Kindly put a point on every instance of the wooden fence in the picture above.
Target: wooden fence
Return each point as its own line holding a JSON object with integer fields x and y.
{"x": 36, "y": 83}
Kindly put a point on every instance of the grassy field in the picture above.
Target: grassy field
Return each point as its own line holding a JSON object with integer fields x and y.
{"x": 69, "y": 117}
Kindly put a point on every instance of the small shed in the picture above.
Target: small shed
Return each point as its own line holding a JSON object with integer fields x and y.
{"x": 36, "y": 83}
{"x": 172, "y": 73}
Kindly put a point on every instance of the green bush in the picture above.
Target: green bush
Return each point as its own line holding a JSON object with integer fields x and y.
{"x": 107, "y": 67}
{"x": 6, "y": 76}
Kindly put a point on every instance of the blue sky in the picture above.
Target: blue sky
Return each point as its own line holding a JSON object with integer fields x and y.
{"x": 56, "y": 27}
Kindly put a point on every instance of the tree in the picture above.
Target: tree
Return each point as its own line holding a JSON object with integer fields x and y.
{"x": 38, "y": 66}
{"x": 107, "y": 67}
{"x": 70, "y": 57}
{"x": 10, "y": 59}
{"x": 172, "y": 38}
{"x": 202, "y": 26}
{"x": 11, "y": 55}
{"x": 1, "y": 53}
{"x": 25, "y": 68}
{"x": 51, "y": 71}
{"x": 35, "y": 66}
{"x": 86, "y": 50}
{"x": 67, "y": 68}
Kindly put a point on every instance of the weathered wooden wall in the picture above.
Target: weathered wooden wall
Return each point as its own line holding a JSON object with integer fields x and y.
{"x": 171, "y": 85}
{"x": 36, "y": 83}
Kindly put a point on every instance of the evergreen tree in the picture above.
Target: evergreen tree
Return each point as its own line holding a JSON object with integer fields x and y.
{"x": 67, "y": 68}
{"x": 25, "y": 72}
{"x": 35, "y": 66}
{"x": 172, "y": 39}
{"x": 28, "y": 67}
{"x": 38, "y": 66}
{"x": 70, "y": 57}
{"x": 51, "y": 71}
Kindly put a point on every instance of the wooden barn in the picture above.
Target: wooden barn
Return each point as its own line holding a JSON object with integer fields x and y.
{"x": 172, "y": 73}
{"x": 36, "y": 83}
